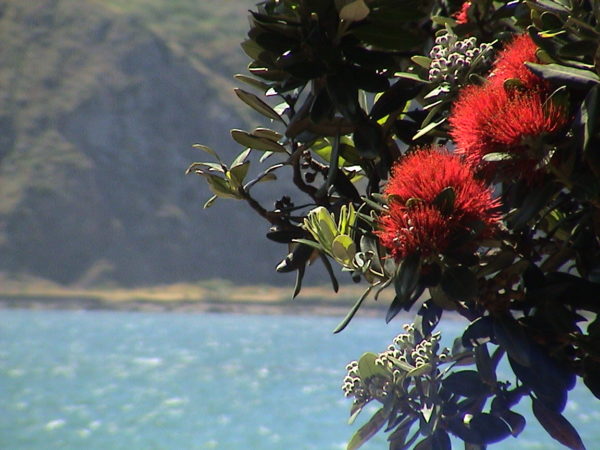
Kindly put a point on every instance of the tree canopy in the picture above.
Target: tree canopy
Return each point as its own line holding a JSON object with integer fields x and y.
{"x": 447, "y": 151}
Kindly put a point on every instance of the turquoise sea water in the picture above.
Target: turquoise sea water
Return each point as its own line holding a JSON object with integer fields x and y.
{"x": 114, "y": 380}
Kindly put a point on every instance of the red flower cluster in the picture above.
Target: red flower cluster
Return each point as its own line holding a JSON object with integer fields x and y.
{"x": 416, "y": 221}
{"x": 461, "y": 16}
{"x": 489, "y": 119}
{"x": 510, "y": 64}
{"x": 492, "y": 118}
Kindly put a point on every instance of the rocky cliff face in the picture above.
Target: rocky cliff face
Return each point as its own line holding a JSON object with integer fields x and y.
{"x": 97, "y": 119}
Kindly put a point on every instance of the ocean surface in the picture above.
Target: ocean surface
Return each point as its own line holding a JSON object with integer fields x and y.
{"x": 115, "y": 380}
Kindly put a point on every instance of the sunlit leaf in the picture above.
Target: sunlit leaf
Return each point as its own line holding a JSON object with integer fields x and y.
{"x": 257, "y": 104}
{"x": 237, "y": 173}
{"x": 343, "y": 249}
{"x": 355, "y": 11}
{"x": 208, "y": 150}
{"x": 210, "y": 202}
{"x": 252, "y": 82}
{"x": 220, "y": 187}
{"x": 258, "y": 143}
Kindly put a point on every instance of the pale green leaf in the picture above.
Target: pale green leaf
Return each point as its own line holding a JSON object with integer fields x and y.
{"x": 257, "y": 104}
{"x": 355, "y": 11}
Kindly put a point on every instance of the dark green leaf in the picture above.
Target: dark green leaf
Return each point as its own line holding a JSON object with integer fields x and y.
{"x": 394, "y": 98}
{"x": 368, "y": 430}
{"x": 557, "y": 426}
{"x": 275, "y": 42}
{"x": 550, "y": 5}
{"x": 577, "y": 48}
{"x": 285, "y": 236}
{"x": 459, "y": 283}
{"x": 461, "y": 353}
{"x": 352, "y": 311}
{"x": 344, "y": 95}
{"x": 548, "y": 381}
{"x": 444, "y": 201}
{"x": 491, "y": 428}
{"x": 591, "y": 375}
{"x": 398, "y": 438}
{"x": 405, "y": 282}
{"x": 298, "y": 67}
{"x": 428, "y": 317}
{"x": 511, "y": 336}
{"x": 576, "y": 78}
{"x": 298, "y": 284}
{"x": 398, "y": 304}
{"x": 478, "y": 332}
{"x": 368, "y": 140}
{"x": 322, "y": 108}
{"x": 334, "y": 282}
{"x": 532, "y": 204}
{"x": 345, "y": 187}
{"x": 367, "y": 58}
{"x": 440, "y": 440}
{"x": 295, "y": 259}
{"x": 551, "y": 21}
{"x": 482, "y": 429}
{"x": 391, "y": 39}
{"x": 586, "y": 119}
{"x": 431, "y": 274}
{"x": 485, "y": 366}
{"x": 515, "y": 421}
{"x": 368, "y": 80}
{"x": 466, "y": 383}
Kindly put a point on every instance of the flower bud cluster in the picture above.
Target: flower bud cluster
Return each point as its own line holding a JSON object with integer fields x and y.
{"x": 420, "y": 353}
{"x": 452, "y": 60}
{"x": 364, "y": 390}
{"x": 405, "y": 352}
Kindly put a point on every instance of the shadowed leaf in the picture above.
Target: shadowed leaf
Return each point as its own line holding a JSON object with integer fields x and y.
{"x": 557, "y": 426}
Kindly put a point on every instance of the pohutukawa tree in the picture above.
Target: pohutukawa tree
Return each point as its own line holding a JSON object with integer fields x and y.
{"x": 449, "y": 152}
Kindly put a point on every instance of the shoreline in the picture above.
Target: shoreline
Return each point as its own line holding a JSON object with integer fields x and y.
{"x": 293, "y": 307}
{"x": 297, "y": 307}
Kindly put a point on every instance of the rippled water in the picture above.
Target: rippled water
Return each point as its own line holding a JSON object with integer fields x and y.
{"x": 109, "y": 380}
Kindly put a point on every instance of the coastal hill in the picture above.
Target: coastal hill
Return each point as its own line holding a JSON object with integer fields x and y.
{"x": 100, "y": 104}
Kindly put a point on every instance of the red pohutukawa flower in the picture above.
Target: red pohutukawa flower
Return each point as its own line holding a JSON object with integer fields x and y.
{"x": 491, "y": 119}
{"x": 433, "y": 195}
{"x": 510, "y": 63}
{"x": 462, "y": 15}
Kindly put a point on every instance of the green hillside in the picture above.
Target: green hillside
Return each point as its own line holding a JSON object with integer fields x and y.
{"x": 208, "y": 30}
{"x": 100, "y": 102}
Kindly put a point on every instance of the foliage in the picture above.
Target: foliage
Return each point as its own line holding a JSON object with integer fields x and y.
{"x": 367, "y": 91}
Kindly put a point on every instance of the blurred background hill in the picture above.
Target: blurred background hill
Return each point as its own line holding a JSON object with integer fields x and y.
{"x": 100, "y": 103}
